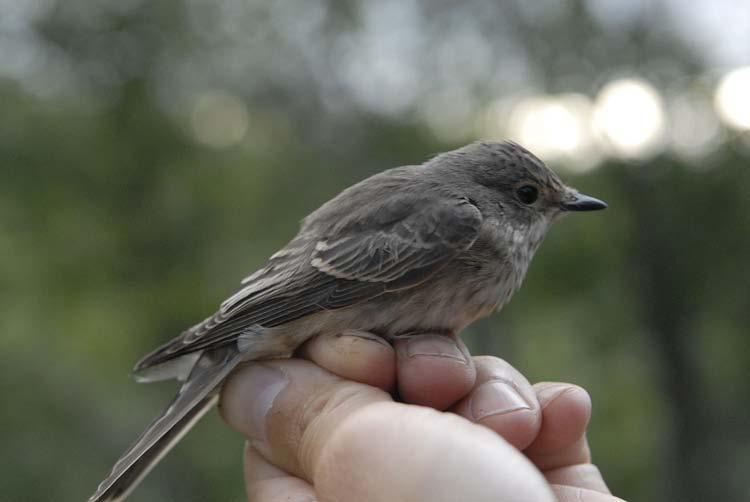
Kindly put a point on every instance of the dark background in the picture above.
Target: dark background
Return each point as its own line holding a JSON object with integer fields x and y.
{"x": 153, "y": 153}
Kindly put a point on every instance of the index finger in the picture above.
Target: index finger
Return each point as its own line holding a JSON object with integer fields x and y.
{"x": 429, "y": 369}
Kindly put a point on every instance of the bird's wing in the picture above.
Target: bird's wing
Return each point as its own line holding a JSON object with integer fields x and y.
{"x": 396, "y": 245}
{"x": 416, "y": 236}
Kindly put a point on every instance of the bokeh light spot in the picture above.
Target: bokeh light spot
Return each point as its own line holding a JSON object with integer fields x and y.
{"x": 219, "y": 119}
{"x": 732, "y": 99}
{"x": 557, "y": 128}
{"x": 629, "y": 118}
{"x": 693, "y": 131}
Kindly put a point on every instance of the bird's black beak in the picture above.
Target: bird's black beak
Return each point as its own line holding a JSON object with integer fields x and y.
{"x": 580, "y": 202}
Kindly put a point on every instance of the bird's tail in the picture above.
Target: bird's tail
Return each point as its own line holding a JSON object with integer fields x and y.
{"x": 196, "y": 396}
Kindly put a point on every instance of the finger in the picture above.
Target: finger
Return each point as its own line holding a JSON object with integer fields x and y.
{"x": 267, "y": 483}
{"x": 575, "y": 494}
{"x": 391, "y": 451}
{"x": 433, "y": 370}
{"x": 354, "y": 355}
{"x": 561, "y": 450}
{"x": 350, "y": 440}
{"x": 503, "y": 401}
{"x": 275, "y": 404}
{"x": 566, "y": 410}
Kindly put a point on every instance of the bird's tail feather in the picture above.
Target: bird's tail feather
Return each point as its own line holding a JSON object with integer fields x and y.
{"x": 196, "y": 396}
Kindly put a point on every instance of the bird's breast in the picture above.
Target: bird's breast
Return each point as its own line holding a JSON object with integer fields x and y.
{"x": 475, "y": 284}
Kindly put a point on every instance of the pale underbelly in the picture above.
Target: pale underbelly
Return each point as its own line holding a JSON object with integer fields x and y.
{"x": 436, "y": 307}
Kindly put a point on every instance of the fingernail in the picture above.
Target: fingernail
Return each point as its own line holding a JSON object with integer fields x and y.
{"x": 261, "y": 384}
{"x": 433, "y": 346}
{"x": 548, "y": 394}
{"x": 496, "y": 398}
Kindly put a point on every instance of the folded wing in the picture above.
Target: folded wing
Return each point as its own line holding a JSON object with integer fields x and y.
{"x": 396, "y": 244}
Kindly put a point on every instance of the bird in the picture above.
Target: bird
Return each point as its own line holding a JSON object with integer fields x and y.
{"x": 425, "y": 248}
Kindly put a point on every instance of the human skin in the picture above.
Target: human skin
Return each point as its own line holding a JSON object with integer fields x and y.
{"x": 325, "y": 426}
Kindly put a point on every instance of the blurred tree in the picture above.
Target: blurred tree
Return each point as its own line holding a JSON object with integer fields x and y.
{"x": 121, "y": 224}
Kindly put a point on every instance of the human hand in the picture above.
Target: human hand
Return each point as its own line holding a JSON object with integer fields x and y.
{"x": 316, "y": 434}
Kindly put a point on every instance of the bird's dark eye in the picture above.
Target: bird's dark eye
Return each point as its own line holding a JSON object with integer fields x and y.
{"x": 528, "y": 194}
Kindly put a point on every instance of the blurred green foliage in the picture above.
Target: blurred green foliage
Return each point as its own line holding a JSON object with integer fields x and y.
{"x": 118, "y": 230}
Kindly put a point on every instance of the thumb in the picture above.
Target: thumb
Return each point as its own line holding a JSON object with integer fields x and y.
{"x": 351, "y": 440}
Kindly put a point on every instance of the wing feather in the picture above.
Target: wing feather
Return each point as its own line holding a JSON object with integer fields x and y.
{"x": 342, "y": 267}
{"x": 422, "y": 238}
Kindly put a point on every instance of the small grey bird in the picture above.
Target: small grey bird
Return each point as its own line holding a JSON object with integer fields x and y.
{"x": 427, "y": 248}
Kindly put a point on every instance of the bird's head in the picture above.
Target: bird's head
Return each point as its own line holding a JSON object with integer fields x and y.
{"x": 512, "y": 186}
